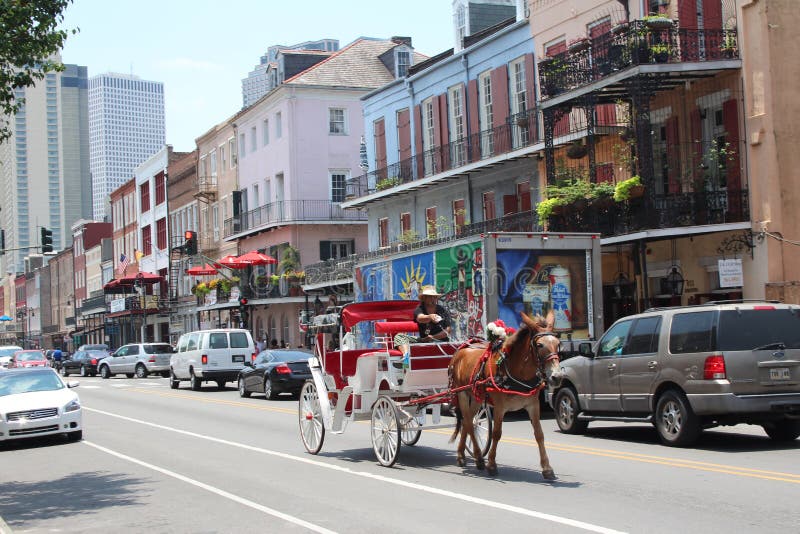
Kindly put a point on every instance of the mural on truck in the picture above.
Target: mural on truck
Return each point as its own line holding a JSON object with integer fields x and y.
{"x": 455, "y": 271}
{"x": 534, "y": 282}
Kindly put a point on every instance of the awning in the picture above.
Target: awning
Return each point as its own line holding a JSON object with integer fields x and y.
{"x": 389, "y": 310}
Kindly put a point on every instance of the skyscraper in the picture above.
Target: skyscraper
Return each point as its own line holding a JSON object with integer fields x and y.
{"x": 44, "y": 166}
{"x": 126, "y": 127}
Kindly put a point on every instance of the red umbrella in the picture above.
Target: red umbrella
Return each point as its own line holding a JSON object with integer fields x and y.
{"x": 201, "y": 271}
{"x": 232, "y": 262}
{"x": 256, "y": 258}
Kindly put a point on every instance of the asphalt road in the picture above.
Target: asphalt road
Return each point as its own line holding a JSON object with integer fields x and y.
{"x": 160, "y": 460}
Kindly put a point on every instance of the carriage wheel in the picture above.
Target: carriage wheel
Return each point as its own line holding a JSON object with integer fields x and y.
{"x": 411, "y": 432}
{"x": 312, "y": 430}
{"x": 483, "y": 425}
{"x": 386, "y": 430}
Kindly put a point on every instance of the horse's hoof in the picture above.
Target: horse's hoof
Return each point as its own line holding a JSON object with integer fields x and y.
{"x": 491, "y": 470}
{"x": 461, "y": 462}
{"x": 480, "y": 464}
{"x": 549, "y": 474}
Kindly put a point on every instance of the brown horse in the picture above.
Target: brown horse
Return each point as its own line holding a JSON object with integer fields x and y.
{"x": 529, "y": 359}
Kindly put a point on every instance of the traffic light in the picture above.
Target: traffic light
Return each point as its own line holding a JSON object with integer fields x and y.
{"x": 2, "y": 242}
{"x": 244, "y": 315}
{"x": 47, "y": 240}
{"x": 190, "y": 243}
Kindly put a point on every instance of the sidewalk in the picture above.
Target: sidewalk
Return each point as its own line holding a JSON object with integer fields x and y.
{"x": 4, "y": 528}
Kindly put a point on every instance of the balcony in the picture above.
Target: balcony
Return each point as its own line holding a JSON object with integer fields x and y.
{"x": 637, "y": 45}
{"x": 446, "y": 161}
{"x": 286, "y": 212}
{"x": 95, "y": 304}
{"x": 207, "y": 188}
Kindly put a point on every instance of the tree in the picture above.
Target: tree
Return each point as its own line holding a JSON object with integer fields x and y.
{"x": 30, "y": 39}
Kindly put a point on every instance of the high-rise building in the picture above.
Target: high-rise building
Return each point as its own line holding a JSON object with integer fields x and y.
{"x": 127, "y": 126}
{"x": 44, "y": 166}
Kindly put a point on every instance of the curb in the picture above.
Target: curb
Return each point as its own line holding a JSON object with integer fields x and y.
{"x": 4, "y": 528}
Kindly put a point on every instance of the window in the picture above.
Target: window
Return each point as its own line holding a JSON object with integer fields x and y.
{"x": 265, "y": 132}
{"x": 489, "y": 209}
{"x": 338, "y": 249}
{"x": 459, "y": 214}
{"x": 743, "y": 330}
{"x": 403, "y": 61}
{"x": 161, "y": 190}
{"x": 427, "y": 136}
{"x": 144, "y": 196}
{"x": 338, "y": 184}
{"x": 336, "y": 121}
{"x": 430, "y": 222}
{"x": 213, "y": 163}
{"x": 455, "y": 97}
{"x": 383, "y": 232}
{"x": 253, "y": 143}
{"x": 644, "y": 336}
{"x": 278, "y": 126}
{"x": 239, "y": 340}
{"x": 691, "y": 332}
{"x": 485, "y": 115}
{"x": 405, "y": 223}
{"x": 147, "y": 240}
{"x": 519, "y": 103}
{"x": 614, "y": 339}
{"x": 161, "y": 233}
{"x": 242, "y": 150}
{"x": 232, "y": 152}
{"x": 222, "y": 162}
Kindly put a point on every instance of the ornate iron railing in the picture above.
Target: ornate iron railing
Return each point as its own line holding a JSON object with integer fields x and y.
{"x": 635, "y": 43}
{"x": 519, "y": 131}
{"x": 290, "y": 211}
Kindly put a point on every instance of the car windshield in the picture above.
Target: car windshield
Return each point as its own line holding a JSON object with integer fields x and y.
{"x": 750, "y": 329}
{"x": 158, "y": 349}
{"x": 16, "y": 383}
{"x": 6, "y": 352}
{"x": 29, "y": 356}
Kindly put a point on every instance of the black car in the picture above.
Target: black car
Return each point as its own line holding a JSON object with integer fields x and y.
{"x": 83, "y": 362}
{"x": 275, "y": 371}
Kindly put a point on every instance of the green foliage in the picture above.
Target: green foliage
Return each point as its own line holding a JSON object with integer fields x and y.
{"x": 290, "y": 259}
{"x": 661, "y": 48}
{"x": 622, "y": 191}
{"x": 604, "y": 190}
{"x": 29, "y": 41}
{"x": 201, "y": 289}
{"x": 545, "y": 208}
{"x": 409, "y": 236}
{"x": 386, "y": 183}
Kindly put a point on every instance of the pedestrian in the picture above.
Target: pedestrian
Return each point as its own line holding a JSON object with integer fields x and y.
{"x": 273, "y": 344}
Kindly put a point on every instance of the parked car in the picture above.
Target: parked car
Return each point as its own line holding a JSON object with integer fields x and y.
{"x": 688, "y": 368}
{"x": 28, "y": 358}
{"x": 83, "y": 362}
{"x": 211, "y": 355}
{"x": 96, "y": 346}
{"x": 6, "y": 352}
{"x": 274, "y": 372}
{"x": 37, "y": 402}
{"x": 137, "y": 359}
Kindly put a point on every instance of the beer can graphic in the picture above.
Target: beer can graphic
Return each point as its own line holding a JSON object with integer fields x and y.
{"x": 561, "y": 297}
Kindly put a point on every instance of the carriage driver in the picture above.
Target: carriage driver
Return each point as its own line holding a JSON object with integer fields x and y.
{"x": 433, "y": 319}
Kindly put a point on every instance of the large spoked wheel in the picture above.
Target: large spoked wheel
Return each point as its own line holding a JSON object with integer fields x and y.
{"x": 676, "y": 423}
{"x": 483, "y": 424}
{"x": 386, "y": 430}
{"x": 411, "y": 432}
{"x": 312, "y": 430}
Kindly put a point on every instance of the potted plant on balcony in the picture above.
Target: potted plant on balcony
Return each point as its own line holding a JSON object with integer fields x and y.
{"x": 628, "y": 189}
{"x": 577, "y": 150}
{"x": 658, "y": 22}
{"x": 386, "y": 183}
{"x": 547, "y": 208}
{"x": 552, "y": 68}
{"x": 522, "y": 120}
{"x": 729, "y": 47}
{"x": 200, "y": 290}
{"x": 661, "y": 52}
{"x": 604, "y": 195}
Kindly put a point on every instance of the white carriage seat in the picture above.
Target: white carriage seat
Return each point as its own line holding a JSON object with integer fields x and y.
{"x": 366, "y": 373}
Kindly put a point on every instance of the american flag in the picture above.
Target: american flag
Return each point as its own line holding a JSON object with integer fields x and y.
{"x": 123, "y": 264}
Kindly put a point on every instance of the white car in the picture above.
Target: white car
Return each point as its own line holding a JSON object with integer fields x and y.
{"x": 6, "y": 352}
{"x": 35, "y": 402}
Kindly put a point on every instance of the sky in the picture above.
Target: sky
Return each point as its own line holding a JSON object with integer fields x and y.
{"x": 202, "y": 49}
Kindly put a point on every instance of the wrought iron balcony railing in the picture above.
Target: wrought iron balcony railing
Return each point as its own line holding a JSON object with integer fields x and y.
{"x": 635, "y": 43}
{"x": 519, "y": 131}
{"x": 290, "y": 211}
{"x": 93, "y": 303}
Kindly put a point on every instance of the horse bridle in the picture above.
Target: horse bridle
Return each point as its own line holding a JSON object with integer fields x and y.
{"x": 543, "y": 359}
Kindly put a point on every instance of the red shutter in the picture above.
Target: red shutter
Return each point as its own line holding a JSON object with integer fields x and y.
{"x": 418, "y": 141}
{"x": 380, "y": 147}
{"x": 712, "y": 14}
{"x": 606, "y": 115}
{"x": 404, "y": 134}
{"x": 687, "y": 20}
{"x": 524, "y": 195}
{"x": 383, "y": 232}
{"x": 687, "y": 14}
{"x": 437, "y": 134}
{"x": 600, "y": 29}
{"x": 405, "y": 222}
{"x": 673, "y": 156}
{"x": 500, "y": 96}
{"x": 509, "y": 204}
{"x": 696, "y": 144}
{"x": 489, "y": 211}
{"x": 605, "y": 172}
{"x": 557, "y": 48}
{"x": 530, "y": 81}
{"x": 459, "y": 214}
{"x": 474, "y": 124}
{"x": 730, "y": 118}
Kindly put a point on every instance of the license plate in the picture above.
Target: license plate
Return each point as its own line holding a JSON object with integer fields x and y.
{"x": 238, "y": 358}
{"x": 779, "y": 373}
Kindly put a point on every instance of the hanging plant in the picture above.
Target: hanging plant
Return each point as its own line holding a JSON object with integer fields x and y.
{"x": 628, "y": 189}
{"x": 658, "y": 22}
{"x": 201, "y": 289}
{"x": 577, "y": 150}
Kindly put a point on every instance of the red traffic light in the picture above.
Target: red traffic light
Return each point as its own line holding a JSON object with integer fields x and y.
{"x": 242, "y": 301}
{"x": 188, "y": 234}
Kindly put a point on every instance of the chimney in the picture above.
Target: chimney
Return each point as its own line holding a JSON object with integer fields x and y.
{"x": 401, "y": 40}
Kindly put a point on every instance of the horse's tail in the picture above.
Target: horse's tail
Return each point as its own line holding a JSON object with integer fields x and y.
{"x": 459, "y": 417}
{"x": 454, "y": 403}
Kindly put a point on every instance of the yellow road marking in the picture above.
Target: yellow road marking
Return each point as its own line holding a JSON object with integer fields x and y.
{"x": 577, "y": 449}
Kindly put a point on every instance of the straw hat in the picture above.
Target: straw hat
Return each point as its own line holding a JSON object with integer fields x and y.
{"x": 429, "y": 291}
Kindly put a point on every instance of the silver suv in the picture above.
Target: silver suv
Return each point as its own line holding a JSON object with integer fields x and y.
{"x": 139, "y": 359}
{"x": 689, "y": 368}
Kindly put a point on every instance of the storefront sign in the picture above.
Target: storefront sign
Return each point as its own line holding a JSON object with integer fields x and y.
{"x": 730, "y": 273}
{"x": 117, "y": 305}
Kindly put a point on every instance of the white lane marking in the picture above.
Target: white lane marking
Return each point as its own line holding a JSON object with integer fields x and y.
{"x": 429, "y": 489}
{"x": 91, "y": 387}
{"x": 217, "y": 491}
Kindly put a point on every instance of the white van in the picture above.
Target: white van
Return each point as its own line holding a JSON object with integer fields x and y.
{"x": 211, "y": 355}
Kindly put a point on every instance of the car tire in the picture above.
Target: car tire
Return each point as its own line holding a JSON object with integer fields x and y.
{"x": 194, "y": 382}
{"x": 75, "y": 436}
{"x": 242, "y": 389}
{"x": 84, "y": 372}
{"x": 63, "y": 371}
{"x": 165, "y": 374}
{"x": 784, "y": 430}
{"x": 141, "y": 371}
{"x": 269, "y": 392}
{"x": 105, "y": 372}
{"x": 174, "y": 383}
{"x": 676, "y": 422}
{"x": 566, "y": 408}
{"x": 130, "y": 375}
